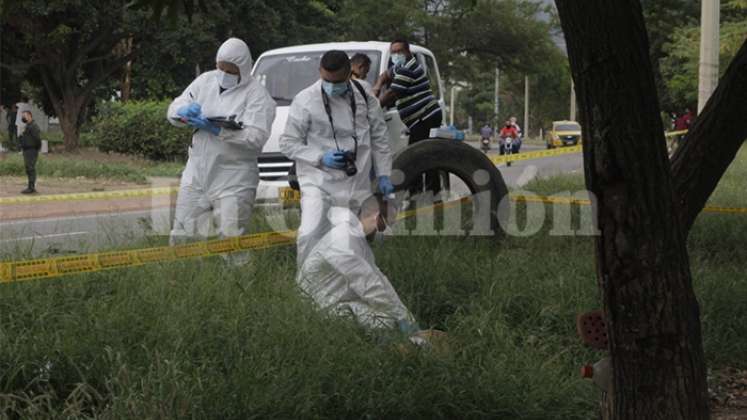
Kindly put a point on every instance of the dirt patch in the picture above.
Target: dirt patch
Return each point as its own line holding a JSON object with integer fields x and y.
{"x": 729, "y": 394}
{"x": 11, "y": 185}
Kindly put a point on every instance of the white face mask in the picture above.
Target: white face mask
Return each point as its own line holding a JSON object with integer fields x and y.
{"x": 227, "y": 80}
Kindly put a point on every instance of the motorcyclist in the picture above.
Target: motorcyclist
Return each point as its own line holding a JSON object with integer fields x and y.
{"x": 508, "y": 130}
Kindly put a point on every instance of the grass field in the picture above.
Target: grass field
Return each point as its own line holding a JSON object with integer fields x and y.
{"x": 200, "y": 339}
{"x": 93, "y": 166}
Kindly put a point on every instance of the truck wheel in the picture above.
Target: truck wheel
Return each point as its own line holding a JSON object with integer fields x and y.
{"x": 484, "y": 183}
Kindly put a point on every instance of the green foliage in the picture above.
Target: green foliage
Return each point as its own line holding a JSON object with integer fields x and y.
{"x": 169, "y": 60}
{"x": 140, "y": 128}
{"x": 681, "y": 65}
{"x": 674, "y": 34}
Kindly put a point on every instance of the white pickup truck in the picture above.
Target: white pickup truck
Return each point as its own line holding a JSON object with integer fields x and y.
{"x": 286, "y": 71}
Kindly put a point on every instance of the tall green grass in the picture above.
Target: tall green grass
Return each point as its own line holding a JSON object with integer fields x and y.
{"x": 68, "y": 167}
{"x": 201, "y": 339}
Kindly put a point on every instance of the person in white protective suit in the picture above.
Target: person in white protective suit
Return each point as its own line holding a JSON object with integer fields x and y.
{"x": 220, "y": 180}
{"x": 336, "y": 266}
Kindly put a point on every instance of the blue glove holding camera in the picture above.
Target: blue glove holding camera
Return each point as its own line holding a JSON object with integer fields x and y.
{"x": 334, "y": 159}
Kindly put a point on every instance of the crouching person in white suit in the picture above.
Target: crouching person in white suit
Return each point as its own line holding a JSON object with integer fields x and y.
{"x": 335, "y": 133}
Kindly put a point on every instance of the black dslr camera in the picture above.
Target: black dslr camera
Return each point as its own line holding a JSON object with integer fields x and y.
{"x": 350, "y": 168}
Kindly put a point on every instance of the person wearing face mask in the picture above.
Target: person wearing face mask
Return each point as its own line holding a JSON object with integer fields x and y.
{"x": 31, "y": 142}
{"x": 409, "y": 88}
{"x": 360, "y": 64}
{"x": 334, "y": 125}
{"x": 220, "y": 180}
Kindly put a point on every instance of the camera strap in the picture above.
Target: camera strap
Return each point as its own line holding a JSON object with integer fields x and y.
{"x": 353, "y": 109}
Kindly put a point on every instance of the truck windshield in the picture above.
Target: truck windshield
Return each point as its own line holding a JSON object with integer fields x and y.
{"x": 568, "y": 127}
{"x": 286, "y": 75}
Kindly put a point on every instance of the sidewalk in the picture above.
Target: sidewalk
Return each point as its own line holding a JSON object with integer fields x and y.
{"x": 53, "y": 209}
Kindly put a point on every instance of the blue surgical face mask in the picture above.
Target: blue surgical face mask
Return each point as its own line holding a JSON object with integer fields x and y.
{"x": 334, "y": 89}
{"x": 399, "y": 59}
{"x": 227, "y": 80}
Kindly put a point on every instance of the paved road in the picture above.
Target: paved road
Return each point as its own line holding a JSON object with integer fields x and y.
{"x": 522, "y": 172}
{"x": 87, "y": 233}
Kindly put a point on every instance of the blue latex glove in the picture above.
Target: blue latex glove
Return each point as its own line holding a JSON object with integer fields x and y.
{"x": 190, "y": 111}
{"x": 334, "y": 159}
{"x": 202, "y": 123}
{"x": 385, "y": 186}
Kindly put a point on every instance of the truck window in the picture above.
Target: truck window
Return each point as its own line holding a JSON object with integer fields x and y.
{"x": 287, "y": 74}
{"x": 432, "y": 75}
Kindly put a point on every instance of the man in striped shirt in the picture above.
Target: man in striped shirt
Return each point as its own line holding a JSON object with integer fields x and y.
{"x": 410, "y": 90}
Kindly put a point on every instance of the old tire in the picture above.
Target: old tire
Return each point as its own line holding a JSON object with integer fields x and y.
{"x": 473, "y": 167}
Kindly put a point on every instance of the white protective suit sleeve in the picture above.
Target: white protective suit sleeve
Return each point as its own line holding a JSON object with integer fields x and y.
{"x": 191, "y": 92}
{"x": 257, "y": 118}
{"x": 293, "y": 142}
{"x": 381, "y": 151}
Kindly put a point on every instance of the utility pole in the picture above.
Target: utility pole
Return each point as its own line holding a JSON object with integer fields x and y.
{"x": 573, "y": 101}
{"x": 526, "y": 106}
{"x": 452, "y": 105}
{"x": 709, "y": 49}
{"x": 497, "y": 101}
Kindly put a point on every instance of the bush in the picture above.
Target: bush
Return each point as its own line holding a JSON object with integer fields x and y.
{"x": 141, "y": 129}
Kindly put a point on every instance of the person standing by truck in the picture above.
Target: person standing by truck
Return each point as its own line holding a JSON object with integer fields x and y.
{"x": 360, "y": 66}
{"x": 31, "y": 142}
{"x": 409, "y": 88}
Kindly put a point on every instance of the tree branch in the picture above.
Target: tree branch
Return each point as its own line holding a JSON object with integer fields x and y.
{"x": 713, "y": 142}
{"x": 106, "y": 73}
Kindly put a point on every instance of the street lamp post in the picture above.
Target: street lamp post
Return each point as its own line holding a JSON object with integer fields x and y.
{"x": 709, "y": 49}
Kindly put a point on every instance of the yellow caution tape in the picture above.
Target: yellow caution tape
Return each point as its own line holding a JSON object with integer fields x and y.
{"x": 288, "y": 195}
{"x": 536, "y": 155}
{"x": 16, "y": 271}
{"x": 149, "y": 192}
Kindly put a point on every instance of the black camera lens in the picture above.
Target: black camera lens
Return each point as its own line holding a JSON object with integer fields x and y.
{"x": 350, "y": 168}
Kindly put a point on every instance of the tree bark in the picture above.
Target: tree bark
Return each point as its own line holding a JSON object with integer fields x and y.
{"x": 642, "y": 263}
{"x": 713, "y": 141}
{"x": 69, "y": 116}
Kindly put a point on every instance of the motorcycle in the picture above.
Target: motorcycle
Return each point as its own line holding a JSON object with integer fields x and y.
{"x": 507, "y": 148}
{"x": 485, "y": 144}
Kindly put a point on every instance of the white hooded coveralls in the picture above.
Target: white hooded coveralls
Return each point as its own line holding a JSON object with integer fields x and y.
{"x": 221, "y": 176}
{"x": 336, "y": 266}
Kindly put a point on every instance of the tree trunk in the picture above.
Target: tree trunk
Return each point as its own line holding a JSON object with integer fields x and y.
{"x": 642, "y": 263}
{"x": 713, "y": 141}
{"x": 126, "y": 85}
{"x": 69, "y": 115}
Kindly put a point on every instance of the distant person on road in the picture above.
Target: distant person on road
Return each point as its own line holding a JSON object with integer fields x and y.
{"x": 515, "y": 125}
{"x": 360, "y": 65}
{"x": 231, "y": 115}
{"x": 519, "y": 135}
{"x": 410, "y": 90}
{"x": 683, "y": 123}
{"x": 30, "y": 144}
{"x": 486, "y": 132}
{"x": 508, "y": 130}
